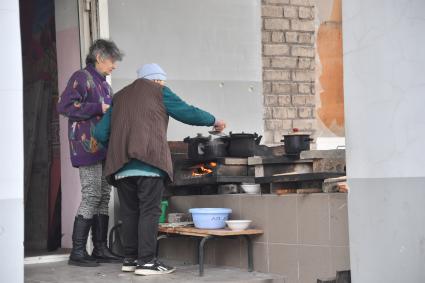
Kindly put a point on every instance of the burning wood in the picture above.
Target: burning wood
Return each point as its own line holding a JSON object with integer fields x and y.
{"x": 204, "y": 169}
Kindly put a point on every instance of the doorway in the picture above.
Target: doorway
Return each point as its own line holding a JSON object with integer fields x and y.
{"x": 42, "y": 190}
{"x": 43, "y": 186}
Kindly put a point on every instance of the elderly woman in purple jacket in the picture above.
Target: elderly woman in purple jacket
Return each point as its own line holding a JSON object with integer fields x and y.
{"x": 84, "y": 101}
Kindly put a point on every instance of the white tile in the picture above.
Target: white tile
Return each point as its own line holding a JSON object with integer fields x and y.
{"x": 11, "y": 240}
{"x": 11, "y": 143}
{"x": 9, "y": 5}
{"x": 11, "y": 189}
{"x": 387, "y": 224}
{"x": 10, "y": 48}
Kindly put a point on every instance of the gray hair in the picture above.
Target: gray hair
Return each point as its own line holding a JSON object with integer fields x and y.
{"x": 104, "y": 48}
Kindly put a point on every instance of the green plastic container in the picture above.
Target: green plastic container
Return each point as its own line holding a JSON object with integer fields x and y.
{"x": 164, "y": 206}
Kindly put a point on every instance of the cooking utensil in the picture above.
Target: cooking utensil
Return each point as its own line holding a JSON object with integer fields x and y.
{"x": 238, "y": 225}
{"x": 196, "y": 146}
{"x": 251, "y": 188}
{"x": 243, "y": 144}
{"x": 210, "y": 218}
{"x": 296, "y": 142}
{"x": 216, "y": 148}
{"x": 228, "y": 189}
{"x": 178, "y": 217}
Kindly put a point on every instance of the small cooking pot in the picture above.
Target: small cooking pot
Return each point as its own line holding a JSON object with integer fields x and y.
{"x": 243, "y": 144}
{"x": 296, "y": 142}
{"x": 196, "y": 146}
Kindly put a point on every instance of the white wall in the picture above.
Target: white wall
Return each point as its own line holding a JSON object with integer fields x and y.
{"x": 210, "y": 49}
{"x": 384, "y": 86}
{"x": 11, "y": 146}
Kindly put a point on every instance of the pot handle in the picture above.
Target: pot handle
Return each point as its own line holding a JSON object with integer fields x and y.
{"x": 186, "y": 139}
{"x": 257, "y": 140}
{"x": 201, "y": 148}
{"x": 283, "y": 141}
{"x": 309, "y": 139}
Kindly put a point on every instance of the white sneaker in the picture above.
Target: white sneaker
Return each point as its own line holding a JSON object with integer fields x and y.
{"x": 129, "y": 265}
{"x": 154, "y": 267}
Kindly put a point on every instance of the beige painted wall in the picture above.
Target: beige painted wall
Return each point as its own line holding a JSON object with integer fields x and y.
{"x": 329, "y": 72}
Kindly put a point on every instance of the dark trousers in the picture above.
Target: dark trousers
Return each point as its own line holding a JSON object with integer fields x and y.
{"x": 140, "y": 200}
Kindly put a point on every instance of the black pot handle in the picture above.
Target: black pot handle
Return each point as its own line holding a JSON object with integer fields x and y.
{"x": 186, "y": 139}
{"x": 201, "y": 149}
{"x": 309, "y": 139}
{"x": 283, "y": 141}
{"x": 258, "y": 140}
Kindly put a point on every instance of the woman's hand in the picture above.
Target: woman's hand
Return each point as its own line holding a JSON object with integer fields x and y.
{"x": 219, "y": 125}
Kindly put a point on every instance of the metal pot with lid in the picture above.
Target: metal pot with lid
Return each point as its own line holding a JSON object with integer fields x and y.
{"x": 296, "y": 141}
{"x": 243, "y": 144}
{"x": 217, "y": 147}
{"x": 196, "y": 146}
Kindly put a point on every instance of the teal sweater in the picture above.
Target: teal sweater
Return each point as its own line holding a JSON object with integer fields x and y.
{"x": 176, "y": 108}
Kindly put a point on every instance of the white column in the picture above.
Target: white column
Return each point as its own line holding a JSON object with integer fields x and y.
{"x": 384, "y": 86}
{"x": 11, "y": 146}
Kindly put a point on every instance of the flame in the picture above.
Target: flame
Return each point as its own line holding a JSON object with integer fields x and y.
{"x": 203, "y": 169}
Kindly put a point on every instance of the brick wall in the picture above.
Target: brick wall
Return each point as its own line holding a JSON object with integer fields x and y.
{"x": 288, "y": 40}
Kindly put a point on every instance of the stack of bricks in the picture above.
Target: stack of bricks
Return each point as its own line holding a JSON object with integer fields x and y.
{"x": 288, "y": 42}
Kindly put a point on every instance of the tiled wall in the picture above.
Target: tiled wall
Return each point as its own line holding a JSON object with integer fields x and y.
{"x": 306, "y": 236}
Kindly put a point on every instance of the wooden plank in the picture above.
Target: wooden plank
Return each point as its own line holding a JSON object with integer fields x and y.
{"x": 234, "y": 161}
{"x": 297, "y": 177}
{"x": 309, "y": 191}
{"x": 280, "y": 168}
{"x": 191, "y": 231}
{"x": 212, "y": 180}
{"x": 259, "y": 160}
{"x": 332, "y": 185}
{"x": 285, "y": 191}
{"x": 323, "y": 154}
{"x": 255, "y": 160}
{"x": 259, "y": 171}
{"x": 231, "y": 170}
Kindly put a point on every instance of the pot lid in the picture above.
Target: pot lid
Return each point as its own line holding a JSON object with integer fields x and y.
{"x": 296, "y": 132}
{"x": 199, "y": 137}
{"x": 243, "y": 135}
{"x": 221, "y": 140}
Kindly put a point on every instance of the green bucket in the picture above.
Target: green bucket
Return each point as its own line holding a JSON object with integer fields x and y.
{"x": 164, "y": 205}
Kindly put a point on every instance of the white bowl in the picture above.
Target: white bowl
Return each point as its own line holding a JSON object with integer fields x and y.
{"x": 251, "y": 188}
{"x": 238, "y": 225}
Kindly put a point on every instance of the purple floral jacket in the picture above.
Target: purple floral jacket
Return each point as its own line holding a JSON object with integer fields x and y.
{"x": 81, "y": 102}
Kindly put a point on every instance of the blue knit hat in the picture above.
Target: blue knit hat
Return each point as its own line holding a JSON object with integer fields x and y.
{"x": 151, "y": 72}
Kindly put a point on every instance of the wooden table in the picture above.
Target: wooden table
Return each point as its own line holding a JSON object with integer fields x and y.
{"x": 205, "y": 235}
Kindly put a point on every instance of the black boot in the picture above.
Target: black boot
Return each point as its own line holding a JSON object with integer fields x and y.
{"x": 99, "y": 235}
{"x": 80, "y": 234}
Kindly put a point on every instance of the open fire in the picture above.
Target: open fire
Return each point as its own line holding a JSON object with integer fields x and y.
{"x": 204, "y": 169}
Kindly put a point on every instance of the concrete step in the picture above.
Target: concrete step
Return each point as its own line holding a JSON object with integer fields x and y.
{"x": 111, "y": 273}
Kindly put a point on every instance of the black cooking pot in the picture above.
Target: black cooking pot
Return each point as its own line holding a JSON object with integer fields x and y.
{"x": 216, "y": 148}
{"x": 243, "y": 144}
{"x": 296, "y": 142}
{"x": 196, "y": 146}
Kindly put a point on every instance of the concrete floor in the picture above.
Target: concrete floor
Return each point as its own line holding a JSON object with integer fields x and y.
{"x": 111, "y": 273}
